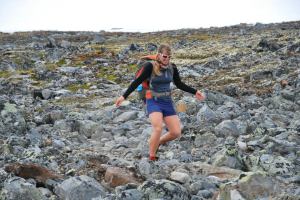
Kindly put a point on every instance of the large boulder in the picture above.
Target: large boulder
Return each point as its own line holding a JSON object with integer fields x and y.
{"x": 79, "y": 187}
{"x": 164, "y": 189}
{"x": 251, "y": 185}
{"x": 18, "y": 188}
{"x": 12, "y": 120}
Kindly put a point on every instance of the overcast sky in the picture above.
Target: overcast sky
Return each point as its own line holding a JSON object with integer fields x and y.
{"x": 140, "y": 15}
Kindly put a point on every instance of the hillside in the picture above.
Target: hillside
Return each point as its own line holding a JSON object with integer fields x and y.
{"x": 62, "y": 137}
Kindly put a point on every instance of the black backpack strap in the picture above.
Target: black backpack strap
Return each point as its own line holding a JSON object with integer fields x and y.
{"x": 152, "y": 75}
{"x": 171, "y": 68}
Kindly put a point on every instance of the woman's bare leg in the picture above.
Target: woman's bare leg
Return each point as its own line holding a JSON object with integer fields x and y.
{"x": 173, "y": 124}
{"x": 156, "y": 119}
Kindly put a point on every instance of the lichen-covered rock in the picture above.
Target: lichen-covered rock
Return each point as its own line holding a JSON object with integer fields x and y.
{"x": 276, "y": 165}
{"x": 12, "y": 120}
{"x": 164, "y": 189}
{"x": 251, "y": 185}
{"x": 18, "y": 188}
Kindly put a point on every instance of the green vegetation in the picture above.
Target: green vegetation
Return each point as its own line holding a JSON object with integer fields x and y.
{"x": 71, "y": 100}
{"x": 107, "y": 73}
{"x": 61, "y": 62}
{"x": 5, "y": 74}
{"x": 76, "y": 87}
{"x": 51, "y": 66}
{"x": 195, "y": 55}
{"x": 132, "y": 68}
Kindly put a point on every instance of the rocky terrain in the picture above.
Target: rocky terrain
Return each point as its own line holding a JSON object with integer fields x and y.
{"x": 62, "y": 137}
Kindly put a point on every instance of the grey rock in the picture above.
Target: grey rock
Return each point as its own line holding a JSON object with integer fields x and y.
{"x": 257, "y": 185}
{"x": 70, "y": 70}
{"x": 130, "y": 194}
{"x": 259, "y": 75}
{"x": 65, "y": 44}
{"x": 151, "y": 47}
{"x": 202, "y": 185}
{"x": 217, "y": 97}
{"x": 12, "y": 121}
{"x": 3, "y": 177}
{"x": 34, "y": 136}
{"x": 53, "y": 116}
{"x": 62, "y": 125}
{"x": 135, "y": 47}
{"x": 18, "y": 188}
{"x": 205, "y": 194}
{"x": 276, "y": 165}
{"x": 58, "y": 144}
{"x": 281, "y": 103}
{"x": 252, "y": 102}
{"x": 147, "y": 168}
{"x": 195, "y": 197}
{"x": 226, "y": 128}
{"x": 163, "y": 189}
{"x": 86, "y": 127}
{"x": 79, "y": 187}
{"x": 45, "y": 192}
{"x": 47, "y": 94}
{"x": 268, "y": 45}
{"x": 251, "y": 185}
{"x": 243, "y": 126}
{"x": 62, "y": 92}
{"x": 232, "y": 90}
{"x": 126, "y": 116}
{"x": 180, "y": 177}
{"x": 229, "y": 158}
{"x": 206, "y": 116}
{"x": 229, "y": 110}
{"x": 289, "y": 94}
{"x": 206, "y": 138}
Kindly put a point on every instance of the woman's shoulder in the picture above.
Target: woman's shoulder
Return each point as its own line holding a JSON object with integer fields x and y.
{"x": 148, "y": 64}
{"x": 148, "y": 67}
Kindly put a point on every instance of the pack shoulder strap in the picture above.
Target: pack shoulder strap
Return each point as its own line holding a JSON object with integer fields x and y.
{"x": 152, "y": 74}
{"x": 172, "y": 65}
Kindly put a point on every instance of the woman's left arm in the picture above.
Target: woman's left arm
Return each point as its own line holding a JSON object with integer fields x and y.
{"x": 179, "y": 84}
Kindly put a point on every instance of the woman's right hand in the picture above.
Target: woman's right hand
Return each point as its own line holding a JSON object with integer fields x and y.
{"x": 119, "y": 101}
{"x": 200, "y": 96}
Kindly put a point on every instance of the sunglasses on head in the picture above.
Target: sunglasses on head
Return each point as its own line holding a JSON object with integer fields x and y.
{"x": 165, "y": 56}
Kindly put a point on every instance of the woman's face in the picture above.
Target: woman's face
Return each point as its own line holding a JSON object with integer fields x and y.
{"x": 164, "y": 57}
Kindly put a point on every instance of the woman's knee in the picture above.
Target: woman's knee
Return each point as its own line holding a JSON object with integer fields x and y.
{"x": 176, "y": 133}
{"x": 157, "y": 129}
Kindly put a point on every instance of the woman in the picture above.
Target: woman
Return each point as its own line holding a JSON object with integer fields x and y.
{"x": 158, "y": 99}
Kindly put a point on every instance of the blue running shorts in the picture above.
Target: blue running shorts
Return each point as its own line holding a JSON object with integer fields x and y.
{"x": 163, "y": 105}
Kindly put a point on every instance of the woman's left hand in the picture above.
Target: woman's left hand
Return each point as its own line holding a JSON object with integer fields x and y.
{"x": 200, "y": 96}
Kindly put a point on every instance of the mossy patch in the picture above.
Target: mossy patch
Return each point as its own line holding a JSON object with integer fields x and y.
{"x": 5, "y": 74}
{"x": 51, "y": 66}
{"x": 71, "y": 100}
{"x": 195, "y": 55}
{"x": 132, "y": 68}
{"x": 76, "y": 87}
{"x": 107, "y": 73}
{"x": 26, "y": 72}
{"x": 61, "y": 62}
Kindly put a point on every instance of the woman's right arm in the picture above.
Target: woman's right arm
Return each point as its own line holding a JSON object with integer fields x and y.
{"x": 144, "y": 75}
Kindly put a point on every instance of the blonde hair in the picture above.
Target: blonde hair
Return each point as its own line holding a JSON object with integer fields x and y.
{"x": 156, "y": 66}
